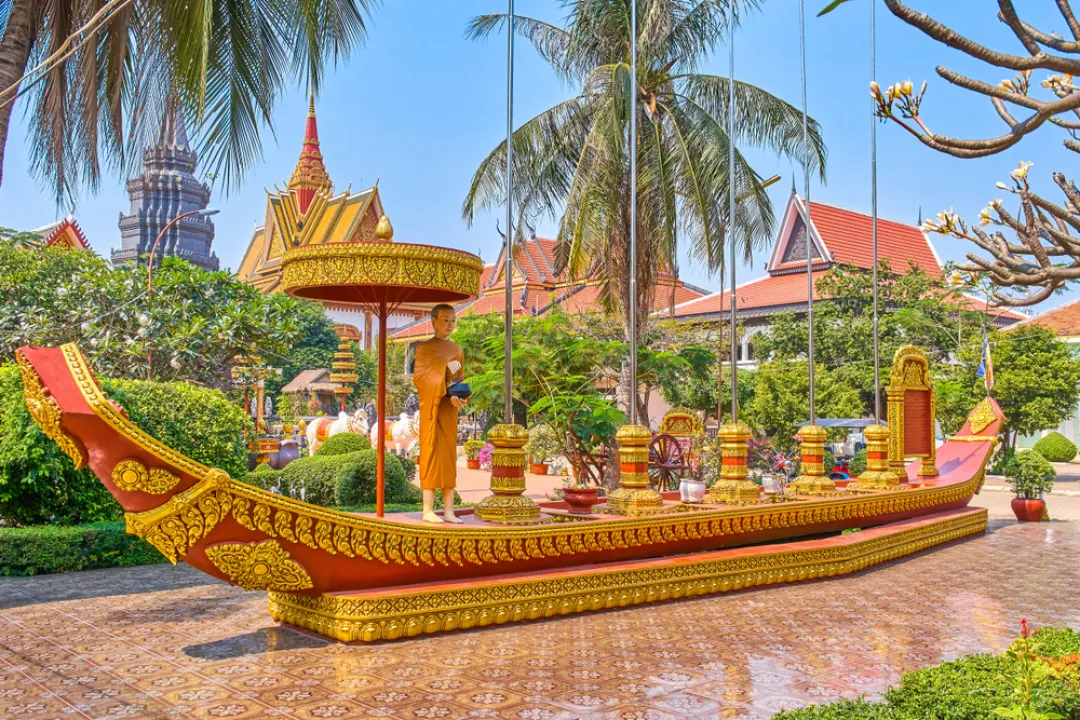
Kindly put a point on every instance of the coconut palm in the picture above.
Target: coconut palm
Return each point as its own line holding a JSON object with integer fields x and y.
{"x": 226, "y": 61}
{"x": 572, "y": 159}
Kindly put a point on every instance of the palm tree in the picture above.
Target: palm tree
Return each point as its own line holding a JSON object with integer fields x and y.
{"x": 226, "y": 62}
{"x": 572, "y": 159}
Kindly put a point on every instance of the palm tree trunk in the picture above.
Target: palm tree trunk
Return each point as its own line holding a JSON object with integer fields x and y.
{"x": 14, "y": 54}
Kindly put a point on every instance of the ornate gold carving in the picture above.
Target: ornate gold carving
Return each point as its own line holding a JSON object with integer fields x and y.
{"x": 733, "y": 485}
{"x": 407, "y": 615}
{"x": 132, "y": 475}
{"x": 910, "y": 371}
{"x": 813, "y": 479}
{"x": 381, "y": 263}
{"x": 633, "y": 496}
{"x": 877, "y": 475}
{"x": 680, "y": 421}
{"x": 46, "y": 413}
{"x": 981, "y": 416}
{"x": 259, "y": 566}
{"x": 507, "y": 505}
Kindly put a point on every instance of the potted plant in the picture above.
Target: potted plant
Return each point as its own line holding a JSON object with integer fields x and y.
{"x": 1030, "y": 477}
{"x": 544, "y": 445}
{"x": 580, "y": 498}
{"x": 473, "y": 446}
{"x": 485, "y": 456}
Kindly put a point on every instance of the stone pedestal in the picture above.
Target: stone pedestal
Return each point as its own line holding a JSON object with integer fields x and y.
{"x": 878, "y": 474}
{"x": 733, "y": 486}
{"x": 813, "y": 479}
{"x": 506, "y": 504}
{"x": 634, "y": 496}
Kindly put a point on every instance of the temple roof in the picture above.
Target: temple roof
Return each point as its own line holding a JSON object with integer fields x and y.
{"x": 310, "y": 175}
{"x": 63, "y": 233}
{"x": 1064, "y": 320}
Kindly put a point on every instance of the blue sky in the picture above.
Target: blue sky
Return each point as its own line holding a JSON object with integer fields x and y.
{"x": 420, "y": 106}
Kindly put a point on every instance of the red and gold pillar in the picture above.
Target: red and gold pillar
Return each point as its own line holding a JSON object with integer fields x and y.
{"x": 634, "y": 496}
{"x": 813, "y": 479}
{"x": 878, "y": 474}
{"x": 733, "y": 485}
{"x": 507, "y": 505}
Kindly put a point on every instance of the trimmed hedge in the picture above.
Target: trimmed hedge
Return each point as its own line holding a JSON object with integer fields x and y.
{"x": 45, "y": 549}
{"x": 970, "y": 688}
{"x": 1055, "y": 447}
{"x": 337, "y": 480}
{"x": 343, "y": 443}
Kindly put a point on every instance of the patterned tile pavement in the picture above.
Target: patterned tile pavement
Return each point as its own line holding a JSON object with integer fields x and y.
{"x": 165, "y": 642}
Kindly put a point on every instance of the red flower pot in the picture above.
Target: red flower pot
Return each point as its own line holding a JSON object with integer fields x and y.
{"x": 472, "y": 464}
{"x": 581, "y": 499}
{"x": 539, "y": 468}
{"x": 1028, "y": 510}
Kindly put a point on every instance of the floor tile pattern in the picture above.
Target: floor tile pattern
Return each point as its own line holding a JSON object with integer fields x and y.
{"x": 165, "y": 642}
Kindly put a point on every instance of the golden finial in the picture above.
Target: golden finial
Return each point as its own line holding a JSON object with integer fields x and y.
{"x": 311, "y": 104}
{"x": 384, "y": 230}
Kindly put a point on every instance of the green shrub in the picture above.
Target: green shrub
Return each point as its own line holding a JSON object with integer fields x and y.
{"x": 44, "y": 549}
{"x": 842, "y": 710}
{"x": 196, "y": 421}
{"x": 1033, "y": 475}
{"x": 408, "y": 465}
{"x": 1004, "y": 463}
{"x": 340, "y": 480}
{"x": 344, "y": 443}
{"x": 1055, "y": 642}
{"x": 472, "y": 448}
{"x": 265, "y": 477}
{"x": 857, "y": 466}
{"x": 544, "y": 444}
{"x": 38, "y": 482}
{"x": 1055, "y": 447}
{"x": 358, "y": 486}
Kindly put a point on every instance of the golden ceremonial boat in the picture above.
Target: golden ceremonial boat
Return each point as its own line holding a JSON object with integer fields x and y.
{"x": 360, "y": 577}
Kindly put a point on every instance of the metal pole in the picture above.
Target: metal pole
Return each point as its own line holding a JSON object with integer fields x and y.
{"x": 732, "y": 204}
{"x": 806, "y": 189}
{"x": 380, "y": 424}
{"x": 631, "y": 307}
{"x": 508, "y": 264}
{"x": 873, "y": 215}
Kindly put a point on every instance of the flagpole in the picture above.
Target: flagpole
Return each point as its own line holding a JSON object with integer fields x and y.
{"x": 632, "y": 300}
{"x": 508, "y": 261}
{"x": 732, "y": 202}
{"x": 874, "y": 216}
{"x": 809, "y": 235}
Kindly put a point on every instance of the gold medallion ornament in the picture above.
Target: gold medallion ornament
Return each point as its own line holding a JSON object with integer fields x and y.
{"x": 259, "y": 566}
{"x": 634, "y": 496}
{"x": 45, "y": 412}
{"x": 132, "y": 475}
{"x": 981, "y": 416}
{"x": 507, "y": 504}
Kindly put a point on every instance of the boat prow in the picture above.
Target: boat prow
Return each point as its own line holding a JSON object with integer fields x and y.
{"x": 339, "y": 573}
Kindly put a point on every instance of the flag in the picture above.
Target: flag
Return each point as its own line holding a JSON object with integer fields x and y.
{"x": 986, "y": 367}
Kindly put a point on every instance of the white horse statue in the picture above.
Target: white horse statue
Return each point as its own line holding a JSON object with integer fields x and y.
{"x": 319, "y": 430}
{"x": 401, "y": 434}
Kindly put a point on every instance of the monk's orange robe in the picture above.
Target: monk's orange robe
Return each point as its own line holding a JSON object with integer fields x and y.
{"x": 438, "y": 417}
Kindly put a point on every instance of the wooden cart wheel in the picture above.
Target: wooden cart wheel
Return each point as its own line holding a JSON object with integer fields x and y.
{"x": 666, "y": 466}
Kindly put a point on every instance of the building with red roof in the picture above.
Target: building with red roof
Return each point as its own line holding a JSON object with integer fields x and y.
{"x": 835, "y": 237}
{"x": 538, "y": 287}
{"x": 62, "y": 233}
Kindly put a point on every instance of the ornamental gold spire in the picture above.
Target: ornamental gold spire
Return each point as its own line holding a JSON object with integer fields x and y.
{"x": 310, "y": 175}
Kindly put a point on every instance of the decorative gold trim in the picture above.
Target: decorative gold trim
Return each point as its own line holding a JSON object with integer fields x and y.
{"x": 406, "y": 615}
{"x": 381, "y": 263}
{"x": 507, "y": 505}
{"x": 132, "y": 475}
{"x": 259, "y": 566}
{"x": 981, "y": 416}
{"x": 46, "y": 413}
{"x": 976, "y": 438}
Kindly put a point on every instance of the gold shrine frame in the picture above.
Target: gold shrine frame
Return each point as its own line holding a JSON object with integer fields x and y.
{"x": 680, "y": 421}
{"x": 909, "y": 388}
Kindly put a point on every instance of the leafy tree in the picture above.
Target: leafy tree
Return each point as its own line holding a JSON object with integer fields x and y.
{"x": 225, "y": 63}
{"x": 782, "y": 398}
{"x": 1036, "y": 382}
{"x": 571, "y": 160}
{"x": 314, "y": 347}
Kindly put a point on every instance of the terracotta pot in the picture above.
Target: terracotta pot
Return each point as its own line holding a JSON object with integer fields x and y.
{"x": 1028, "y": 510}
{"x": 472, "y": 464}
{"x": 581, "y": 499}
{"x": 539, "y": 468}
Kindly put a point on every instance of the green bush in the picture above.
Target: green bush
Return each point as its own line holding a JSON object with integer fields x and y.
{"x": 196, "y": 421}
{"x": 843, "y": 710}
{"x": 266, "y": 477}
{"x": 44, "y": 549}
{"x": 1055, "y": 642}
{"x": 1055, "y": 447}
{"x": 339, "y": 480}
{"x": 1033, "y": 475}
{"x": 358, "y": 487}
{"x": 344, "y": 443}
{"x": 38, "y": 482}
{"x": 1004, "y": 463}
{"x": 408, "y": 466}
{"x": 857, "y": 466}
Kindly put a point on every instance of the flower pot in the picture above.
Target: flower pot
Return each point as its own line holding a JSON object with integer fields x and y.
{"x": 1028, "y": 510}
{"x": 581, "y": 499}
{"x": 691, "y": 491}
{"x": 288, "y": 452}
{"x": 472, "y": 464}
{"x": 539, "y": 468}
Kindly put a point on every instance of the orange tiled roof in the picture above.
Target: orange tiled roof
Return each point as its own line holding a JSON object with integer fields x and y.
{"x": 1064, "y": 320}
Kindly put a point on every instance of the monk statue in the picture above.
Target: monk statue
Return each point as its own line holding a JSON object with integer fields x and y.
{"x": 437, "y": 374}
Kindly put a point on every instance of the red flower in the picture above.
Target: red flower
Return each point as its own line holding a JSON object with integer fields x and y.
{"x": 1024, "y": 632}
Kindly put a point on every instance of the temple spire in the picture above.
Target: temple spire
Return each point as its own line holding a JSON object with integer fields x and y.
{"x": 310, "y": 175}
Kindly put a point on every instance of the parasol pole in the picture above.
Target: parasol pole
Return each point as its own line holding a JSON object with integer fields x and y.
{"x": 632, "y": 300}
{"x": 380, "y": 425}
{"x": 874, "y": 217}
{"x": 732, "y": 203}
{"x": 508, "y": 263}
{"x": 806, "y": 188}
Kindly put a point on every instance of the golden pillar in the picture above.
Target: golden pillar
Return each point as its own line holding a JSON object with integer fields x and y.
{"x": 878, "y": 474}
{"x": 634, "y": 496}
{"x": 507, "y": 505}
{"x": 733, "y": 486}
{"x": 896, "y": 432}
{"x": 813, "y": 479}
